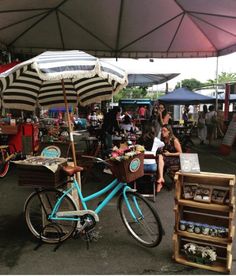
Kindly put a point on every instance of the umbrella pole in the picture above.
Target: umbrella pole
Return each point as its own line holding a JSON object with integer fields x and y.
{"x": 69, "y": 124}
{"x": 74, "y": 193}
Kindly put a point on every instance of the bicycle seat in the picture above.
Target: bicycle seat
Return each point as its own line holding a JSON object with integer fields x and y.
{"x": 70, "y": 170}
{"x": 3, "y": 146}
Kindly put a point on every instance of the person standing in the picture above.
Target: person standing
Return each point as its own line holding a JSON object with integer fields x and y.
{"x": 185, "y": 115}
{"x": 159, "y": 118}
{"x": 190, "y": 112}
{"x": 110, "y": 126}
{"x": 93, "y": 120}
{"x": 211, "y": 123}
{"x": 142, "y": 112}
{"x": 202, "y": 128}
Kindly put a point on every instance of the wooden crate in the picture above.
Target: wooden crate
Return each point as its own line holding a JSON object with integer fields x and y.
{"x": 8, "y": 129}
{"x": 128, "y": 170}
{"x": 211, "y": 214}
{"x": 40, "y": 176}
{"x": 222, "y": 264}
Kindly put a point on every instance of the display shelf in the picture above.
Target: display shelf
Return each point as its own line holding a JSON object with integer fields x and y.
{"x": 200, "y": 215}
{"x": 203, "y": 237}
{"x": 222, "y": 264}
{"x": 211, "y": 206}
{"x": 210, "y": 218}
{"x": 218, "y": 267}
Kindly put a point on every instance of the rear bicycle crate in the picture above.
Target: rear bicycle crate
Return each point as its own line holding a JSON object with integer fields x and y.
{"x": 39, "y": 172}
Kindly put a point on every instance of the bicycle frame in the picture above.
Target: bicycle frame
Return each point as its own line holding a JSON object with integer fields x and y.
{"x": 115, "y": 186}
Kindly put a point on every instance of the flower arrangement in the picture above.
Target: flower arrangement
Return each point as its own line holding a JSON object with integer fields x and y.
{"x": 200, "y": 254}
{"x": 120, "y": 154}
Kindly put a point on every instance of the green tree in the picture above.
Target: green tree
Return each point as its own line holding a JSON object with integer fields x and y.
{"x": 223, "y": 78}
{"x": 191, "y": 84}
{"x": 131, "y": 93}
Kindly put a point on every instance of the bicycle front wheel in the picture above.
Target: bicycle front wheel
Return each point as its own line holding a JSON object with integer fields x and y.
{"x": 38, "y": 206}
{"x": 140, "y": 219}
{"x": 4, "y": 166}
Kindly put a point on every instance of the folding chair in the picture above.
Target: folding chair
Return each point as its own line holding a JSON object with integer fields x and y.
{"x": 150, "y": 167}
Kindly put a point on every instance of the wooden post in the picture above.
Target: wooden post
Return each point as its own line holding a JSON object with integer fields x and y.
{"x": 69, "y": 124}
{"x": 227, "y": 95}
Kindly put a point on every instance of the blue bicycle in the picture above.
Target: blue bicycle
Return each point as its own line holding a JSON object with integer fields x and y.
{"x": 53, "y": 216}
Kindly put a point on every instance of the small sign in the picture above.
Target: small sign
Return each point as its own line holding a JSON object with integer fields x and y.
{"x": 189, "y": 163}
{"x": 51, "y": 151}
{"x": 134, "y": 165}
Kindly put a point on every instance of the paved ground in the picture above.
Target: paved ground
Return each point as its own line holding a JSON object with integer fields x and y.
{"x": 114, "y": 253}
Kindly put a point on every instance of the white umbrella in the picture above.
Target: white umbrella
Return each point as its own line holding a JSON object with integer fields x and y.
{"x": 41, "y": 80}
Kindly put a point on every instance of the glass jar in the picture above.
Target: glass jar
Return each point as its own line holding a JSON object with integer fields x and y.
{"x": 198, "y": 228}
{"x": 190, "y": 226}
{"x": 182, "y": 225}
{"x": 205, "y": 229}
{"x": 222, "y": 232}
{"x": 213, "y": 231}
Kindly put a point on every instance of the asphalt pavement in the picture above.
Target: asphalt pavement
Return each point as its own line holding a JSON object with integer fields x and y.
{"x": 115, "y": 252}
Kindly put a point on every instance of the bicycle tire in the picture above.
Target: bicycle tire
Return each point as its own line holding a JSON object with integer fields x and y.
{"x": 148, "y": 229}
{"x": 37, "y": 208}
{"x": 4, "y": 166}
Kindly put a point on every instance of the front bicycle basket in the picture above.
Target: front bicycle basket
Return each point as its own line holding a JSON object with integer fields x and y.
{"x": 128, "y": 170}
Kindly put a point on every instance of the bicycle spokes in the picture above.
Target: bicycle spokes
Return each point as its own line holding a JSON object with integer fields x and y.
{"x": 140, "y": 219}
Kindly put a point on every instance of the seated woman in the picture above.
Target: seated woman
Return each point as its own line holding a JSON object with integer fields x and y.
{"x": 169, "y": 155}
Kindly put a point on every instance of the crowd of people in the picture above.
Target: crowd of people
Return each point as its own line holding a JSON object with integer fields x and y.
{"x": 158, "y": 124}
{"x": 154, "y": 123}
{"x": 207, "y": 124}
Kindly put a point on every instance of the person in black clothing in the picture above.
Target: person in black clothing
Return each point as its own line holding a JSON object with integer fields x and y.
{"x": 147, "y": 137}
{"x": 110, "y": 126}
{"x": 160, "y": 117}
{"x": 169, "y": 155}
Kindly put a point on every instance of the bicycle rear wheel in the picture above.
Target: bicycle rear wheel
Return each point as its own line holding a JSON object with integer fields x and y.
{"x": 37, "y": 208}
{"x": 146, "y": 227}
{"x": 4, "y": 166}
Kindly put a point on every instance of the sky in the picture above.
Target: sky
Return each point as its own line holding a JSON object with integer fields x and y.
{"x": 201, "y": 69}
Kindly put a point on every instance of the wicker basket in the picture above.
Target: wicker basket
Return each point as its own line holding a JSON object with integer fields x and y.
{"x": 128, "y": 170}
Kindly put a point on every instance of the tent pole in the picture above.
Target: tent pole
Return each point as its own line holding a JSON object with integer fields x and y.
{"x": 69, "y": 123}
{"x": 216, "y": 84}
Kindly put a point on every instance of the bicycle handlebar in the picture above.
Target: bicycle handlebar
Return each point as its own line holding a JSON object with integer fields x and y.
{"x": 97, "y": 160}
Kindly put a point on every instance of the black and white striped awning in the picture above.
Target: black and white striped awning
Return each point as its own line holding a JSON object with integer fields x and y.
{"x": 38, "y": 80}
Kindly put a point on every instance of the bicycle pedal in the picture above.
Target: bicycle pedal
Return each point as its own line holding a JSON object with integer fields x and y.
{"x": 95, "y": 235}
{"x": 76, "y": 235}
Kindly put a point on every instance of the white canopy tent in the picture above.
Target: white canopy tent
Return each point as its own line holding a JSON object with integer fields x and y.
{"x": 120, "y": 28}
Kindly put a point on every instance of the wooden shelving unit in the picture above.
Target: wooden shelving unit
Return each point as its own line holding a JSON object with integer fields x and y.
{"x": 189, "y": 211}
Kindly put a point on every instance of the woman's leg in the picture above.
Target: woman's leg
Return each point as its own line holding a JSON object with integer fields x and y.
{"x": 160, "y": 180}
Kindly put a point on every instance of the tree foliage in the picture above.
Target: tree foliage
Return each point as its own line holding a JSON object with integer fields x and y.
{"x": 223, "y": 78}
{"x": 194, "y": 84}
{"x": 191, "y": 84}
{"x": 131, "y": 93}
